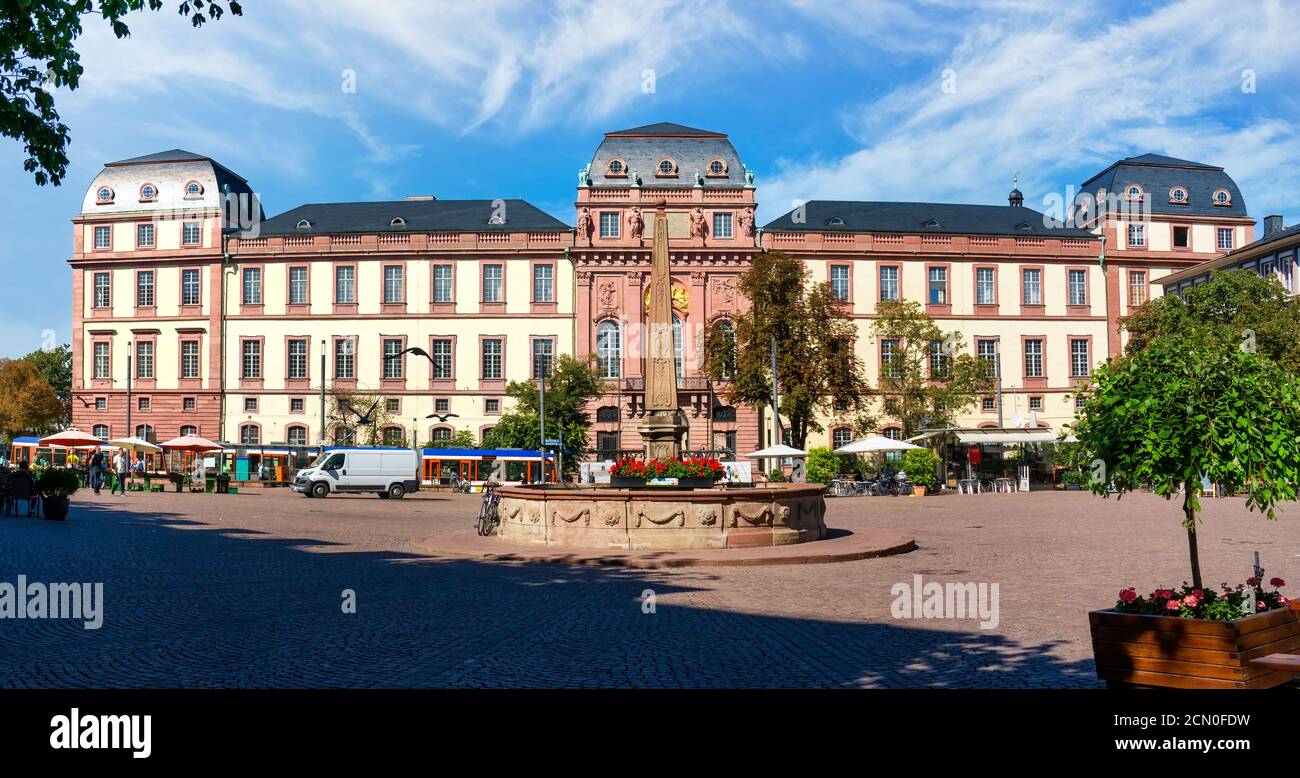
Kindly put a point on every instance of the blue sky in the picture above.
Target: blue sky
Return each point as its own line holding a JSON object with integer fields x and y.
{"x": 851, "y": 99}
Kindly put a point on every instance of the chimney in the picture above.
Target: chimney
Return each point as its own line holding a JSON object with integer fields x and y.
{"x": 420, "y": 198}
{"x": 1272, "y": 224}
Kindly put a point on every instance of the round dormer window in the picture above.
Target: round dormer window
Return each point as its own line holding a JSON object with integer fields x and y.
{"x": 397, "y": 222}
{"x": 148, "y": 192}
{"x": 1178, "y": 195}
{"x": 717, "y": 167}
{"x": 617, "y": 168}
{"x": 1222, "y": 197}
{"x": 1134, "y": 192}
{"x": 666, "y": 168}
{"x": 104, "y": 195}
{"x": 193, "y": 189}
{"x": 304, "y": 225}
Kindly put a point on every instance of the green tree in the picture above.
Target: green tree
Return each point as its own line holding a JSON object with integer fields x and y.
{"x": 930, "y": 379}
{"x": 1193, "y": 405}
{"x": 55, "y": 366}
{"x": 572, "y": 384}
{"x": 823, "y": 465}
{"x": 1233, "y": 305}
{"x": 364, "y": 414}
{"x": 38, "y": 54}
{"x": 28, "y": 403}
{"x": 817, "y": 369}
{"x": 460, "y": 439}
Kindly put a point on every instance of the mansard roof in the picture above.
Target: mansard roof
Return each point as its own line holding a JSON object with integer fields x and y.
{"x": 691, "y": 150}
{"x": 1158, "y": 175}
{"x": 923, "y": 219}
{"x": 415, "y": 216}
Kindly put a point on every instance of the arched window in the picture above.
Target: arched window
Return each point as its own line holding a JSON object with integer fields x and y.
{"x": 100, "y": 431}
{"x": 397, "y": 222}
{"x": 609, "y": 350}
{"x": 104, "y": 194}
{"x": 188, "y": 430}
{"x": 1222, "y": 197}
{"x": 841, "y": 436}
{"x": 144, "y": 432}
{"x": 250, "y": 434}
{"x": 483, "y": 436}
{"x": 344, "y": 436}
{"x": 727, "y": 336}
{"x": 296, "y": 435}
{"x": 893, "y": 433}
{"x": 148, "y": 193}
{"x": 666, "y": 167}
{"x": 677, "y": 347}
{"x": 303, "y": 224}
{"x": 394, "y": 436}
{"x": 607, "y": 413}
{"x": 441, "y": 434}
{"x": 717, "y": 166}
{"x": 193, "y": 189}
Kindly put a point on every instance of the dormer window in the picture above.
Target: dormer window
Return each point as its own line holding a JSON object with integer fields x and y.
{"x": 148, "y": 193}
{"x": 717, "y": 167}
{"x": 933, "y": 224}
{"x": 1133, "y": 192}
{"x": 1024, "y": 226}
{"x": 397, "y": 222}
{"x": 666, "y": 168}
{"x": 1222, "y": 197}
{"x": 617, "y": 168}
{"x": 1178, "y": 195}
{"x": 104, "y": 195}
{"x": 835, "y": 221}
{"x": 303, "y": 224}
{"x": 194, "y": 189}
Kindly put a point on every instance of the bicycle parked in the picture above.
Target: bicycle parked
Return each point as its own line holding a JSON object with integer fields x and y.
{"x": 488, "y": 517}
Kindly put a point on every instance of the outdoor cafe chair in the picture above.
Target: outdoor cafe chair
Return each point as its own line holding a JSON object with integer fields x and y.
{"x": 23, "y": 489}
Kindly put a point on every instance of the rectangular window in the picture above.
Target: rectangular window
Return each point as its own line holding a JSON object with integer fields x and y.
{"x": 191, "y": 233}
{"x": 1032, "y": 282}
{"x": 1079, "y": 363}
{"x": 722, "y": 225}
{"x": 393, "y": 404}
{"x": 442, "y": 358}
{"x": 1033, "y": 358}
{"x": 987, "y": 352}
{"x": 189, "y": 359}
{"x": 103, "y": 290}
{"x": 252, "y": 286}
{"x": 1078, "y": 287}
{"x": 889, "y": 358}
{"x": 298, "y": 358}
{"x": 840, "y": 282}
{"x": 392, "y": 362}
{"x": 442, "y": 283}
{"x": 190, "y": 286}
{"x": 1182, "y": 237}
{"x": 492, "y": 283}
{"x": 988, "y": 404}
{"x": 609, "y": 224}
{"x": 938, "y": 286}
{"x": 250, "y": 405}
{"x": 492, "y": 359}
{"x": 889, "y": 283}
{"x": 543, "y": 283}
{"x": 393, "y": 284}
{"x": 101, "y": 360}
{"x": 144, "y": 236}
{"x": 985, "y": 292}
{"x": 345, "y": 285}
{"x": 144, "y": 360}
{"x": 1137, "y": 288}
{"x": 103, "y": 237}
{"x": 251, "y": 365}
{"x": 188, "y": 404}
{"x": 543, "y": 353}
{"x": 1224, "y": 238}
{"x": 938, "y": 360}
{"x": 297, "y": 286}
{"x": 101, "y": 403}
{"x": 144, "y": 289}
{"x": 492, "y": 405}
{"x": 345, "y": 353}
{"x": 441, "y": 405}
{"x": 144, "y": 404}
{"x": 1137, "y": 235}
{"x": 297, "y": 405}
{"x": 1036, "y": 403}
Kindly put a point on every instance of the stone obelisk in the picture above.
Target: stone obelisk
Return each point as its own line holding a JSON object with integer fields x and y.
{"x": 664, "y": 423}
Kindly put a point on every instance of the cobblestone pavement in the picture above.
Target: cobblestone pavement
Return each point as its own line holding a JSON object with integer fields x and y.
{"x": 245, "y": 591}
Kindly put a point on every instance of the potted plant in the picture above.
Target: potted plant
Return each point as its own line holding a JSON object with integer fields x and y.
{"x": 1072, "y": 479}
{"x": 56, "y": 485}
{"x": 920, "y": 465}
{"x": 627, "y": 474}
{"x": 691, "y": 473}
{"x": 1189, "y": 404}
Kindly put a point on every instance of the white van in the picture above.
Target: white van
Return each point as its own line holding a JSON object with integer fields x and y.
{"x": 388, "y": 472}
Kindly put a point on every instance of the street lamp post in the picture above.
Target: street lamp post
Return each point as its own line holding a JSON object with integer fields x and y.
{"x": 322, "y": 394}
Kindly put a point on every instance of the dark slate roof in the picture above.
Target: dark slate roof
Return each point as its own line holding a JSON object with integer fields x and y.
{"x": 642, "y": 148}
{"x": 1157, "y": 174}
{"x": 420, "y": 216}
{"x": 1282, "y": 234}
{"x": 224, "y": 174}
{"x": 667, "y": 128}
{"x": 920, "y": 218}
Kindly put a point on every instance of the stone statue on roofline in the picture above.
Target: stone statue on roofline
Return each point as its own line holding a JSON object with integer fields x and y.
{"x": 749, "y": 176}
{"x": 584, "y": 176}
{"x": 699, "y": 178}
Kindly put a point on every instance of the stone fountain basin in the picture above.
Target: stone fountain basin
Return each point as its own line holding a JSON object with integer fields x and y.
{"x": 662, "y": 518}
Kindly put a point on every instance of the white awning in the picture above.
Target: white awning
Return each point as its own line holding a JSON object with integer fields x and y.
{"x": 976, "y": 437}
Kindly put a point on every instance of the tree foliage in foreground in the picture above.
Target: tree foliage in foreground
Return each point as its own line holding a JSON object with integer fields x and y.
{"x": 571, "y": 385}
{"x": 817, "y": 368}
{"x": 38, "y": 54}
{"x": 28, "y": 404}
{"x": 1192, "y": 405}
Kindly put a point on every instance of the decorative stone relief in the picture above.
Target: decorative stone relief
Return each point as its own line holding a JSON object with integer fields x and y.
{"x": 609, "y": 515}
{"x": 753, "y": 513}
{"x": 607, "y": 294}
{"x": 659, "y": 513}
{"x": 569, "y": 517}
{"x": 706, "y": 516}
{"x": 534, "y": 512}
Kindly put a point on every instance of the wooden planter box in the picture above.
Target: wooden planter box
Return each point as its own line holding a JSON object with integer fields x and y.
{"x": 1140, "y": 650}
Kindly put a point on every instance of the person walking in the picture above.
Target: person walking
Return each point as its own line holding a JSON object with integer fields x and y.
{"x": 120, "y": 466}
{"x": 96, "y": 471}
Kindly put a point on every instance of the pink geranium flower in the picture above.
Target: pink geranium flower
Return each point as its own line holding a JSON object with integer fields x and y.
{"x": 1277, "y": 582}
{"x": 1128, "y": 595}
{"x": 1191, "y": 600}
{"x": 1253, "y": 581}
{"x": 1173, "y": 605}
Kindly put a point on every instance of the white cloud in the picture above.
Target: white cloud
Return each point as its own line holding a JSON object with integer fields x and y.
{"x": 1045, "y": 91}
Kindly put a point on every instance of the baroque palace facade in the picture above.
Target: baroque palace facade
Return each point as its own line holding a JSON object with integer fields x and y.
{"x": 227, "y": 324}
